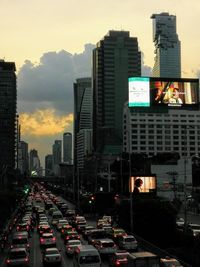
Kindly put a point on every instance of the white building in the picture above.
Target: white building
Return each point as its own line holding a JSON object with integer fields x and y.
{"x": 175, "y": 130}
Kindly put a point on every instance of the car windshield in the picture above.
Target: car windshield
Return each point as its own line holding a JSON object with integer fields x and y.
{"x": 74, "y": 242}
{"x": 19, "y": 241}
{"x": 130, "y": 239}
{"x": 195, "y": 227}
{"x": 89, "y": 259}
{"x": 52, "y": 251}
{"x": 17, "y": 254}
{"x": 122, "y": 256}
{"x": 171, "y": 263}
{"x": 108, "y": 244}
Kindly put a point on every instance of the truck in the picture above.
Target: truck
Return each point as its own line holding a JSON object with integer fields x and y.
{"x": 143, "y": 259}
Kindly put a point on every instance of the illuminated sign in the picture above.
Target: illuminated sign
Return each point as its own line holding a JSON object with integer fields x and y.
{"x": 139, "y": 93}
{"x": 142, "y": 184}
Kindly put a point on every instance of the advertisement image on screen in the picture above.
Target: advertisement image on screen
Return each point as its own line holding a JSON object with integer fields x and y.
{"x": 174, "y": 93}
{"x": 139, "y": 92}
{"x": 142, "y": 184}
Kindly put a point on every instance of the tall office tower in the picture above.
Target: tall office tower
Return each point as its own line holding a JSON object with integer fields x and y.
{"x": 115, "y": 58}
{"x": 23, "y": 158}
{"x": 67, "y": 148}
{"x": 82, "y": 114}
{"x": 34, "y": 162}
{"x": 167, "y": 46}
{"x": 8, "y": 116}
{"x": 49, "y": 165}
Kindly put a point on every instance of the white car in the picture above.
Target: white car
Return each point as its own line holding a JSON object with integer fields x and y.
{"x": 106, "y": 246}
{"x": 128, "y": 242}
{"x": 52, "y": 256}
{"x": 61, "y": 223}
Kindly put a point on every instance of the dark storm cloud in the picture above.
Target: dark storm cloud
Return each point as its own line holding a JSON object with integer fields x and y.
{"x": 50, "y": 83}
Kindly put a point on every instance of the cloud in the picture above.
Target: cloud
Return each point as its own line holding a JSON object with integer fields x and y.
{"x": 44, "y": 123}
{"x": 49, "y": 84}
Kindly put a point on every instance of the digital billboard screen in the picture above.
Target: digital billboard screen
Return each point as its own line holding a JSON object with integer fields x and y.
{"x": 142, "y": 184}
{"x": 151, "y": 92}
{"x": 174, "y": 92}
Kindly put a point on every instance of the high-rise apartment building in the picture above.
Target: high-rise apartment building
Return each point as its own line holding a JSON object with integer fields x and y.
{"x": 82, "y": 116}
{"x": 67, "y": 148}
{"x": 115, "y": 58}
{"x": 23, "y": 158}
{"x": 167, "y": 46}
{"x": 8, "y": 116}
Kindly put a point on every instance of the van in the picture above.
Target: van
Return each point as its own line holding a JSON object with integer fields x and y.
{"x": 56, "y": 216}
{"x": 86, "y": 256}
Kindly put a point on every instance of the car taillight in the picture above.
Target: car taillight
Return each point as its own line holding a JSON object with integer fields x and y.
{"x": 54, "y": 239}
{"x": 62, "y": 231}
{"x": 11, "y": 246}
{"x": 8, "y": 261}
{"x": 41, "y": 240}
{"x": 69, "y": 248}
{"x": 26, "y": 260}
{"x": 117, "y": 263}
{"x": 17, "y": 228}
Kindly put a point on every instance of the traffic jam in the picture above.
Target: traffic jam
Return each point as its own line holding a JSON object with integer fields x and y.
{"x": 47, "y": 231}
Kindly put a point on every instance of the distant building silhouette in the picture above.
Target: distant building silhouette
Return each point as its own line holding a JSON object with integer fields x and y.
{"x": 35, "y": 167}
{"x": 49, "y": 165}
{"x": 67, "y": 148}
{"x": 57, "y": 153}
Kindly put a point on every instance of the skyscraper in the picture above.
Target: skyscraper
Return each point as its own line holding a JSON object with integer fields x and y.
{"x": 167, "y": 46}
{"x": 49, "y": 165}
{"x": 8, "y": 116}
{"x": 115, "y": 58}
{"x": 57, "y": 153}
{"x": 67, "y": 148}
{"x": 82, "y": 113}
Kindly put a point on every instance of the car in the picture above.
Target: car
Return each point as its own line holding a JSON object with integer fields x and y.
{"x": 71, "y": 246}
{"x": 65, "y": 228}
{"x": 20, "y": 240}
{"x": 71, "y": 234}
{"x": 48, "y": 240}
{"x": 52, "y": 256}
{"x": 127, "y": 242}
{"x": 119, "y": 258}
{"x": 56, "y": 216}
{"x": 61, "y": 223}
{"x": 86, "y": 230}
{"x": 101, "y": 222}
{"x": 95, "y": 235}
{"x": 23, "y": 226}
{"x": 193, "y": 229}
{"x": 107, "y": 218}
{"x": 44, "y": 228}
{"x": 116, "y": 233}
{"x": 18, "y": 257}
{"x": 170, "y": 262}
{"x": 105, "y": 246}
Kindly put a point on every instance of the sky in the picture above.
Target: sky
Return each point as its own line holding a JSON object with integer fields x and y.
{"x": 51, "y": 44}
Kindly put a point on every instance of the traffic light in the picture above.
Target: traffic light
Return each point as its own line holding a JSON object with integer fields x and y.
{"x": 91, "y": 199}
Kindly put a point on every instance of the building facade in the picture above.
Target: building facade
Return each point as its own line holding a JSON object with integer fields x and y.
{"x": 67, "y": 148}
{"x": 82, "y": 114}
{"x": 35, "y": 168}
{"x": 115, "y": 58}
{"x": 8, "y": 116}
{"x": 167, "y": 46}
{"x": 49, "y": 165}
{"x": 57, "y": 155}
{"x": 23, "y": 157}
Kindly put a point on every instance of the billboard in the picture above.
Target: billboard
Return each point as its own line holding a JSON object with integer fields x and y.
{"x": 152, "y": 92}
{"x": 142, "y": 184}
